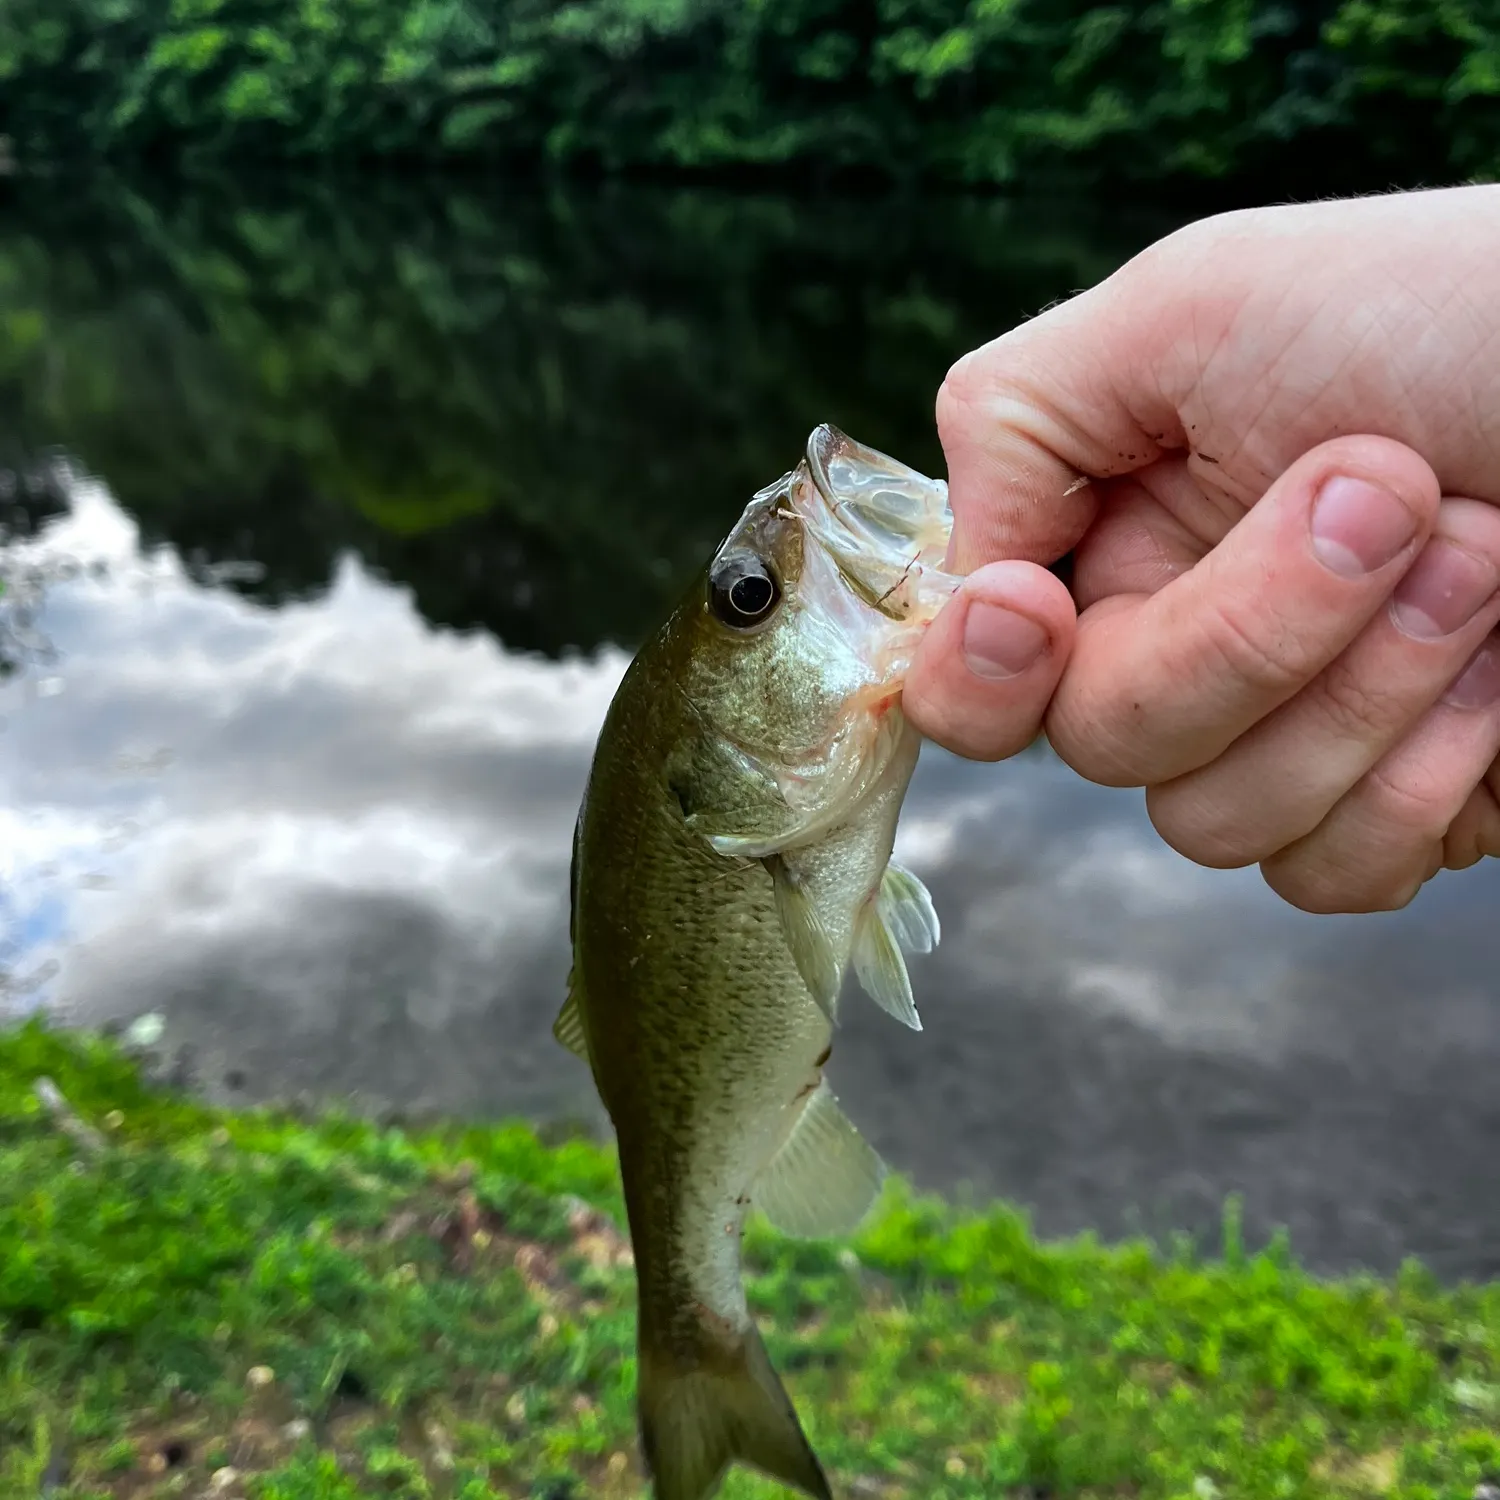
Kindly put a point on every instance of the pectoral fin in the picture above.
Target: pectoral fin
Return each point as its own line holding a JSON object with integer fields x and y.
{"x": 900, "y": 915}
{"x": 825, "y": 1176}
{"x": 880, "y": 967}
{"x": 906, "y": 906}
{"x": 811, "y": 947}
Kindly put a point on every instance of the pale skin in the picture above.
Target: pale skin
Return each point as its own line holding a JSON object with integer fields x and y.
{"x": 1286, "y": 578}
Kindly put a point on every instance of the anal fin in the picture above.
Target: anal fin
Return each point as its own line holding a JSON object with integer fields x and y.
{"x": 825, "y": 1176}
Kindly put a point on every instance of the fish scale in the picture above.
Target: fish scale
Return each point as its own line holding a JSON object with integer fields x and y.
{"x": 732, "y": 860}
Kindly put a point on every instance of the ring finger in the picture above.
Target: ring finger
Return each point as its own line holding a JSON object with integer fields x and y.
{"x": 1276, "y": 782}
{"x": 1375, "y": 850}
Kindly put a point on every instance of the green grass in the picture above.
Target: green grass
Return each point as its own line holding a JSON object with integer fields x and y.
{"x": 330, "y": 1311}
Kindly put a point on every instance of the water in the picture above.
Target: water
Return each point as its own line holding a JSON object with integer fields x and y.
{"x": 335, "y": 512}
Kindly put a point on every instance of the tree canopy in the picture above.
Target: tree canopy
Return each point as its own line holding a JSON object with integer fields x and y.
{"x": 1315, "y": 94}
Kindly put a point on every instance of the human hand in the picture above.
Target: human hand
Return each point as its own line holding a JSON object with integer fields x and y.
{"x": 1287, "y": 556}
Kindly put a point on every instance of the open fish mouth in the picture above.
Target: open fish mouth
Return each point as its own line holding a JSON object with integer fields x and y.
{"x": 885, "y": 526}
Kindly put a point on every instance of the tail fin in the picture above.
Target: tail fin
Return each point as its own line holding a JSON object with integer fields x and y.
{"x": 695, "y": 1423}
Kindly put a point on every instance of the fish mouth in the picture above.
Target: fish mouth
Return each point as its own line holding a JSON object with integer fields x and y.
{"x": 885, "y": 526}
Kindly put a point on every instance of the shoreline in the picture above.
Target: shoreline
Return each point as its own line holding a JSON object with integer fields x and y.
{"x": 204, "y": 1302}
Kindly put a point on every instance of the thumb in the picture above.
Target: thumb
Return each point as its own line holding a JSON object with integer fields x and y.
{"x": 1026, "y": 420}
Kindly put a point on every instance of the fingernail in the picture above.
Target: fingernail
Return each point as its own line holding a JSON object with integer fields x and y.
{"x": 1358, "y": 526}
{"x": 1443, "y": 590}
{"x": 1478, "y": 685}
{"x": 999, "y": 643}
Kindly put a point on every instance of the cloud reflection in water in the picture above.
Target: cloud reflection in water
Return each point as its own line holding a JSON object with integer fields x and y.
{"x": 329, "y": 842}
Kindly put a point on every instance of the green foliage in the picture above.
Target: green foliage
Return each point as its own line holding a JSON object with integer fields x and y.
{"x": 961, "y": 91}
{"x": 340, "y": 1312}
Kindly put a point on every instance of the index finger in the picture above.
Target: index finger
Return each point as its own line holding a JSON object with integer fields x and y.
{"x": 1025, "y": 422}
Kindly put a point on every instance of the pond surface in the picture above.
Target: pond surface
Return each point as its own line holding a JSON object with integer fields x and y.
{"x": 333, "y": 515}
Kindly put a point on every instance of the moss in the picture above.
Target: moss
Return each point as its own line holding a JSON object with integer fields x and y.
{"x": 254, "y": 1305}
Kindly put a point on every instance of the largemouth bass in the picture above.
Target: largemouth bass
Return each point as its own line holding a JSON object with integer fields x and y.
{"x": 732, "y": 860}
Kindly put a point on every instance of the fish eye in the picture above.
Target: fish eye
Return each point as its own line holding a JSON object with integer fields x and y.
{"x": 743, "y": 591}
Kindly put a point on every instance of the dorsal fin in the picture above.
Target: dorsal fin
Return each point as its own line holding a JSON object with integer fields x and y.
{"x": 568, "y": 1027}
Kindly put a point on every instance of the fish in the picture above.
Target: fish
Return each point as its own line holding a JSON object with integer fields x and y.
{"x": 731, "y": 864}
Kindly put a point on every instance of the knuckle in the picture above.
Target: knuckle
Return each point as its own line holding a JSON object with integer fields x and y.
{"x": 960, "y": 394}
{"x": 1416, "y": 802}
{"x": 1200, "y": 826}
{"x": 1357, "y": 709}
{"x": 1376, "y": 854}
{"x": 1099, "y": 751}
{"x": 1342, "y": 886}
{"x": 1244, "y": 641}
{"x": 1308, "y": 890}
{"x": 1475, "y": 833}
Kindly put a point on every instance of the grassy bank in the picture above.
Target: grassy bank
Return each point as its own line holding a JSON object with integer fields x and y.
{"x": 250, "y": 1305}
